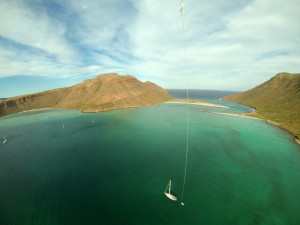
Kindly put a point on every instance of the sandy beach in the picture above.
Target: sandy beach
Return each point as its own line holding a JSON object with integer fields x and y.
{"x": 231, "y": 114}
{"x": 195, "y": 102}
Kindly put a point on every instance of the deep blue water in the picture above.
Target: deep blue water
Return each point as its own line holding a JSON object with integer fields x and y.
{"x": 113, "y": 167}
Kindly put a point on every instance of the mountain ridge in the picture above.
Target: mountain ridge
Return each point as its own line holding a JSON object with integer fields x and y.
{"x": 277, "y": 101}
{"x": 103, "y": 93}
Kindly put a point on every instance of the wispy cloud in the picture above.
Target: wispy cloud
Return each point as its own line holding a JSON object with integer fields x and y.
{"x": 34, "y": 29}
{"x": 230, "y": 45}
{"x": 236, "y": 45}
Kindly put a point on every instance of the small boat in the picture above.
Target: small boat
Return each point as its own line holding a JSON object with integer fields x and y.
{"x": 168, "y": 194}
{"x": 4, "y": 140}
{"x": 63, "y": 126}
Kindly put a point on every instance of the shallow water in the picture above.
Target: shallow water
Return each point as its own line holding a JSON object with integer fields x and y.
{"x": 114, "y": 170}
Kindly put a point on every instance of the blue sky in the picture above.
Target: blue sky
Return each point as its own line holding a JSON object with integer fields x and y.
{"x": 231, "y": 45}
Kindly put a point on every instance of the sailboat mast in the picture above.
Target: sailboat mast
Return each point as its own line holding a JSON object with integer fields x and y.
{"x": 170, "y": 187}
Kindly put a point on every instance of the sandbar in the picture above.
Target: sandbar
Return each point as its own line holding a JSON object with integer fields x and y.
{"x": 231, "y": 114}
{"x": 195, "y": 102}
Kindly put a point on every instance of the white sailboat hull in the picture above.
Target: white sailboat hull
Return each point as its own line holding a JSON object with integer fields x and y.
{"x": 172, "y": 197}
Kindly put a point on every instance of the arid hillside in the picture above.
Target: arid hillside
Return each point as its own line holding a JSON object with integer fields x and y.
{"x": 276, "y": 100}
{"x": 103, "y": 93}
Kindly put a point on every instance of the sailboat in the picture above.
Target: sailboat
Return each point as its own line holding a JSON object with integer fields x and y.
{"x": 4, "y": 139}
{"x": 168, "y": 194}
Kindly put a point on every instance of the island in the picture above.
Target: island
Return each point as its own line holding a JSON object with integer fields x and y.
{"x": 103, "y": 93}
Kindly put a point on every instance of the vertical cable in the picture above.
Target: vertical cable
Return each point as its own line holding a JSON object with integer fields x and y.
{"x": 187, "y": 103}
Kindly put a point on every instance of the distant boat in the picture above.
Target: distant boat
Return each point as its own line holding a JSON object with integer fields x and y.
{"x": 4, "y": 139}
{"x": 63, "y": 126}
{"x": 168, "y": 194}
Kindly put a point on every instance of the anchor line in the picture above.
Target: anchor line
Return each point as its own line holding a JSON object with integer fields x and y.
{"x": 187, "y": 104}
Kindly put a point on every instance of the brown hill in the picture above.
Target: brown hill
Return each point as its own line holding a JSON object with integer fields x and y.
{"x": 277, "y": 101}
{"x": 103, "y": 93}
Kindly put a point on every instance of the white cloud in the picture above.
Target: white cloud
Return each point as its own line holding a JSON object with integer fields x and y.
{"x": 230, "y": 45}
{"x": 103, "y": 25}
{"x": 27, "y": 28}
{"x": 229, "y": 48}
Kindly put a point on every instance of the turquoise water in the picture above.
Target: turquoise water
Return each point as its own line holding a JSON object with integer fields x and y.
{"x": 114, "y": 170}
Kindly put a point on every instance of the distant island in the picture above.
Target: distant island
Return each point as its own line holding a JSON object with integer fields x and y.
{"x": 277, "y": 101}
{"x": 103, "y": 93}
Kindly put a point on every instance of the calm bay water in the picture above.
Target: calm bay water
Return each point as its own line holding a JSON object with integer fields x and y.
{"x": 113, "y": 167}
